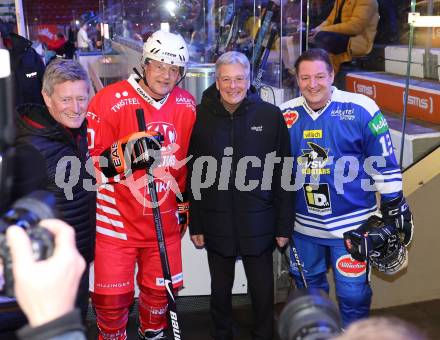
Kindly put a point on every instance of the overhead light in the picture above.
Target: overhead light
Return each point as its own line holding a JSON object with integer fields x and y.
{"x": 171, "y": 6}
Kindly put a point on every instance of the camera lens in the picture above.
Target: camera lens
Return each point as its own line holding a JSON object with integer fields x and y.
{"x": 309, "y": 315}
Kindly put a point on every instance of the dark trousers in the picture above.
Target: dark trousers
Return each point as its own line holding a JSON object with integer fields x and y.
{"x": 332, "y": 42}
{"x": 259, "y": 274}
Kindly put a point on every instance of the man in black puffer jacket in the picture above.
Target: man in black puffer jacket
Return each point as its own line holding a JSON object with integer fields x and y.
{"x": 245, "y": 211}
{"x": 52, "y": 153}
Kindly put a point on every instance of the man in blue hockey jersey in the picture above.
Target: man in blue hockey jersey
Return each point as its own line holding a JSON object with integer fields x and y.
{"x": 342, "y": 156}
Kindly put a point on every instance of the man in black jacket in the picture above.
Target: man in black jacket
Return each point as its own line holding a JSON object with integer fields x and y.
{"x": 26, "y": 65}
{"x": 245, "y": 211}
{"x": 52, "y": 155}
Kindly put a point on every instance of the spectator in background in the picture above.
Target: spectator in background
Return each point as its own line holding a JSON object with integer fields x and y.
{"x": 126, "y": 29}
{"x": 388, "y": 28}
{"x": 83, "y": 41}
{"x": 348, "y": 31}
{"x": 99, "y": 38}
{"x": 319, "y": 11}
{"x": 26, "y": 65}
{"x": 51, "y": 142}
{"x": 70, "y": 45}
{"x": 58, "y": 44}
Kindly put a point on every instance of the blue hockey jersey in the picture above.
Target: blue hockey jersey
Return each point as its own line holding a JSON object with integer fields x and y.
{"x": 341, "y": 159}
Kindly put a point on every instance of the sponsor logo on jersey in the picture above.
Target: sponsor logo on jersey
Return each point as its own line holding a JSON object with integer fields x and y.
{"x": 290, "y": 117}
{"x": 347, "y": 266}
{"x": 309, "y": 134}
{"x": 189, "y": 102}
{"x": 313, "y": 160}
{"x": 347, "y": 114}
{"x": 120, "y": 95}
{"x": 378, "y": 124}
{"x": 169, "y": 133}
{"x": 124, "y": 102}
{"x": 113, "y": 285}
{"x": 317, "y": 198}
{"x": 176, "y": 278}
{"x": 93, "y": 116}
{"x": 184, "y": 100}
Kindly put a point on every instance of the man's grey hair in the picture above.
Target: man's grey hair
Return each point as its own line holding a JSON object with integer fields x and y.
{"x": 61, "y": 70}
{"x": 232, "y": 57}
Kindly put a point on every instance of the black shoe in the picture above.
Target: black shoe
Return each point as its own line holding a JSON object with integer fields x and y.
{"x": 152, "y": 335}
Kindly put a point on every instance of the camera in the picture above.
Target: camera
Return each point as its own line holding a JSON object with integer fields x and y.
{"x": 309, "y": 314}
{"x": 26, "y": 213}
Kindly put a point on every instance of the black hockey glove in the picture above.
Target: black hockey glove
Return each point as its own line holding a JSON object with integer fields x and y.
{"x": 370, "y": 236}
{"x": 396, "y": 213}
{"x": 136, "y": 151}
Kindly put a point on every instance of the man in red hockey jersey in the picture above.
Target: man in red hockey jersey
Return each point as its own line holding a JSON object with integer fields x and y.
{"x": 125, "y": 230}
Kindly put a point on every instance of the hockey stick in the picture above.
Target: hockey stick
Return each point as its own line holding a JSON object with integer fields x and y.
{"x": 265, "y": 26}
{"x": 232, "y": 37}
{"x": 298, "y": 262}
{"x": 172, "y": 307}
{"x": 267, "y": 44}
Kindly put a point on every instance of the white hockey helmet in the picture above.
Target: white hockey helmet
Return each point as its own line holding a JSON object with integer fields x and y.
{"x": 166, "y": 47}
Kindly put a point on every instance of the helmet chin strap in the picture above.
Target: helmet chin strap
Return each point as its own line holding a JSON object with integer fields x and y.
{"x": 181, "y": 78}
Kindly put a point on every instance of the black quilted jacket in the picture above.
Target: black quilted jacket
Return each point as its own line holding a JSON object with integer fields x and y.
{"x": 42, "y": 146}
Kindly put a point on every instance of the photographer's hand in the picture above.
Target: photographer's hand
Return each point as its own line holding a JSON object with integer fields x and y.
{"x": 45, "y": 290}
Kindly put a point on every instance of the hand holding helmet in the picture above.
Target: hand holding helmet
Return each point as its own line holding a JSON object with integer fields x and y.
{"x": 379, "y": 243}
{"x": 370, "y": 236}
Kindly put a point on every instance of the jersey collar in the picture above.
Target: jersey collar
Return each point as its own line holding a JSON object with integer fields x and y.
{"x": 315, "y": 114}
{"x": 133, "y": 80}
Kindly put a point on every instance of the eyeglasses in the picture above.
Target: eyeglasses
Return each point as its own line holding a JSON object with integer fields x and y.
{"x": 162, "y": 68}
{"x": 237, "y": 80}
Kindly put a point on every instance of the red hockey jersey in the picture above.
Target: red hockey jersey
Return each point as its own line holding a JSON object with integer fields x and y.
{"x": 124, "y": 211}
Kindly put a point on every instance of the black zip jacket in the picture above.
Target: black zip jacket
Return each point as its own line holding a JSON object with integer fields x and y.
{"x": 237, "y": 219}
{"x": 41, "y": 143}
{"x": 28, "y": 69}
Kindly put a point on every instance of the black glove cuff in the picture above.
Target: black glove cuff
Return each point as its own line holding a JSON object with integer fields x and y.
{"x": 109, "y": 170}
{"x": 185, "y": 197}
{"x": 394, "y": 207}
